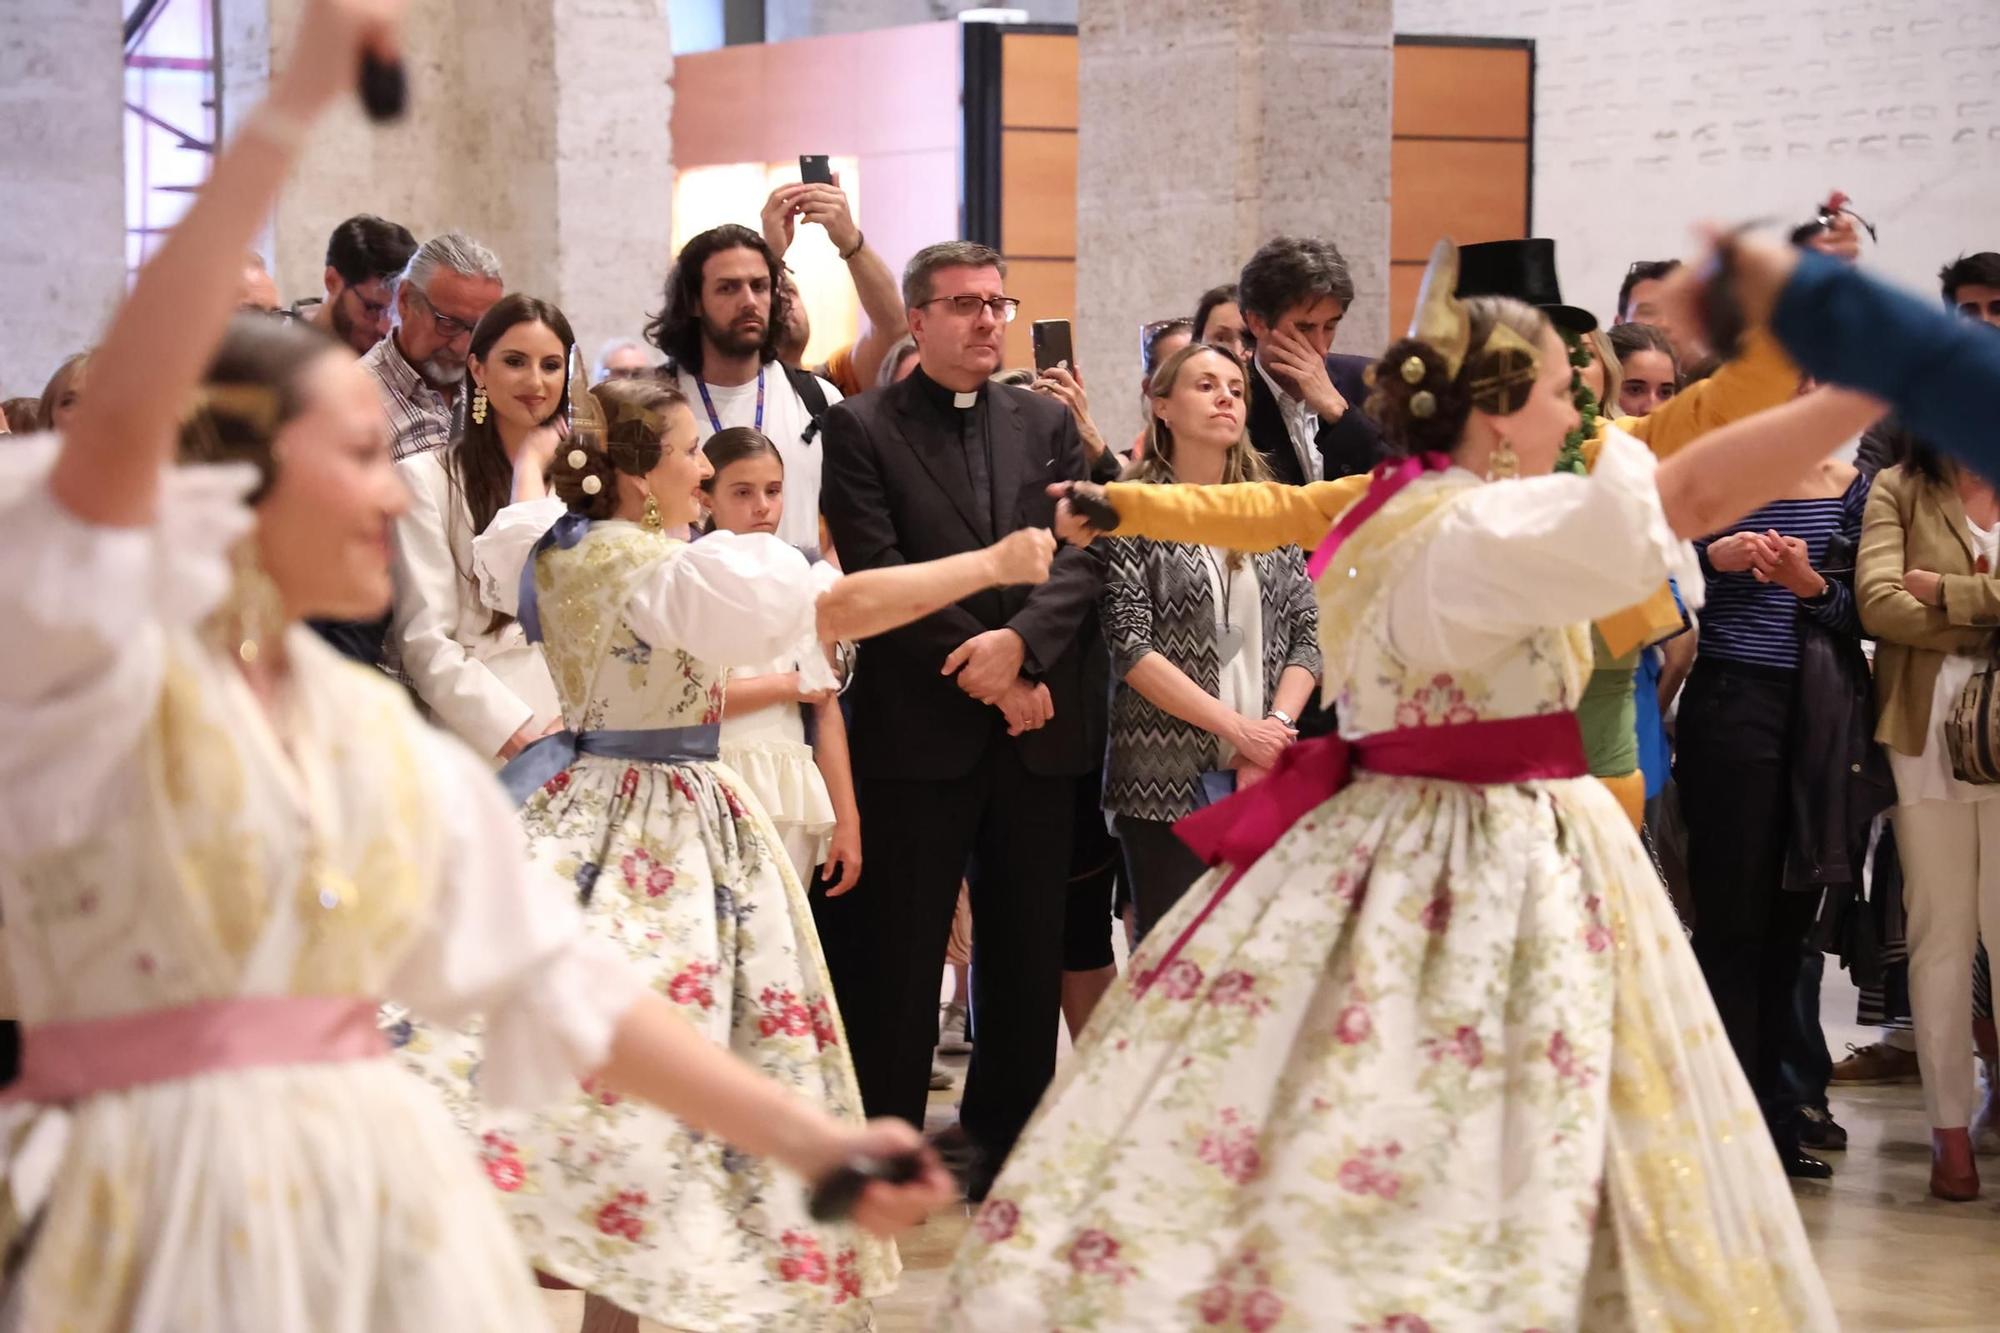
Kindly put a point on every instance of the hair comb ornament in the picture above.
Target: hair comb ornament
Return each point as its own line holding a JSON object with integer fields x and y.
{"x": 578, "y": 459}
{"x": 1506, "y": 359}
{"x": 1413, "y": 371}
{"x": 255, "y": 405}
{"x": 646, "y": 418}
{"x": 592, "y": 484}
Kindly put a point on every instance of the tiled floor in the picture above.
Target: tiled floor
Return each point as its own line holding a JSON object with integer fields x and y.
{"x": 1896, "y": 1259}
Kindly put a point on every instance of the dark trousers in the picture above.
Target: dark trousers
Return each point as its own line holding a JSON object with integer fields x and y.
{"x": 1807, "y": 1064}
{"x": 1160, "y": 867}
{"x": 1733, "y": 770}
{"x": 1091, "y": 898}
{"x": 1007, "y": 831}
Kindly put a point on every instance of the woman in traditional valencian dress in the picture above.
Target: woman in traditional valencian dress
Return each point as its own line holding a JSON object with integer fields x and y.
{"x": 680, "y": 870}
{"x": 221, "y": 845}
{"x": 1427, "y": 1050}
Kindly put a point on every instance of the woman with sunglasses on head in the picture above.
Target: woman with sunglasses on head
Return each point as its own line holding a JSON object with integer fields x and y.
{"x": 223, "y": 846}
{"x": 1427, "y": 1049}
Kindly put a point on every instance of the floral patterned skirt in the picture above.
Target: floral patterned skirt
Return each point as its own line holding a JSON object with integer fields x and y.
{"x": 683, "y": 871}
{"x": 1442, "y": 1059}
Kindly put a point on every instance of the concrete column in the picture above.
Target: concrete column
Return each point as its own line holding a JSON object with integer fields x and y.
{"x": 62, "y": 182}
{"x": 538, "y": 126}
{"x": 1205, "y": 130}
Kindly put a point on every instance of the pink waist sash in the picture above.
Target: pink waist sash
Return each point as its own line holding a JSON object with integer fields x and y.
{"x": 1238, "y": 831}
{"x": 67, "y": 1061}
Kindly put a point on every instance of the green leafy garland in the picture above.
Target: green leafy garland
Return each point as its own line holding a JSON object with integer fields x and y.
{"x": 1571, "y": 457}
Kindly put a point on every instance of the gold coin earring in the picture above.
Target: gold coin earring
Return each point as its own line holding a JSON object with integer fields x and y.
{"x": 650, "y": 520}
{"x": 479, "y": 405}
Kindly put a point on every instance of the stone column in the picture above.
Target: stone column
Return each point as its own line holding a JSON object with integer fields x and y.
{"x": 62, "y": 182}
{"x": 539, "y": 127}
{"x": 1205, "y": 130}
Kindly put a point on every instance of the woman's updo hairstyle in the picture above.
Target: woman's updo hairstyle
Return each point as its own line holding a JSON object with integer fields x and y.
{"x": 1423, "y": 408}
{"x": 250, "y": 391}
{"x": 585, "y": 475}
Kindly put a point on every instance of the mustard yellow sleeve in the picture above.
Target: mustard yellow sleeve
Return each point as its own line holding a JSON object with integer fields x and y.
{"x": 1247, "y": 516}
{"x": 1762, "y": 377}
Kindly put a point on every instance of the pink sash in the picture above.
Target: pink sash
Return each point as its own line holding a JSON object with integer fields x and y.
{"x": 68, "y": 1061}
{"x": 1383, "y": 483}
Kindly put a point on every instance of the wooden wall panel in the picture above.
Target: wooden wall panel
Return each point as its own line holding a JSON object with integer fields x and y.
{"x": 1462, "y": 153}
{"x": 1047, "y": 290}
{"x": 1038, "y": 199}
{"x": 853, "y": 94}
{"x": 1468, "y": 191}
{"x": 1462, "y": 91}
{"x": 1038, "y": 81}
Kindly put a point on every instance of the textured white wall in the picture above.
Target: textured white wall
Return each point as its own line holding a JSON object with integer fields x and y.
{"x": 1651, "y": 115}
{"x": 62, "y": 183}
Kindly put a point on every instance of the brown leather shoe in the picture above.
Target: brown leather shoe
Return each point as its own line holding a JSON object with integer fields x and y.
{"x": 1954, "y": 1174}
{"x": 1877, "y": 1064}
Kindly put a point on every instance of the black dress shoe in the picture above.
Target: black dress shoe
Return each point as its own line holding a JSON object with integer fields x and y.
{"x": 1802, "y": 1165}
{"x": 1820, "y": 1132}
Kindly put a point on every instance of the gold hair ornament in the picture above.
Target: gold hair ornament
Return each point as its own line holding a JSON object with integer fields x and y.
{"x": 592, "y": 484}
{"x": 1413, "y": 371}
{"x": 578, "y": 458}
{"x": 1507, "y": 360}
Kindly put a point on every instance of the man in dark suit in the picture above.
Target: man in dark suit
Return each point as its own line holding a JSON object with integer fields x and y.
{"x": 968, "y": 726}
{"x": 1306, "y": 416}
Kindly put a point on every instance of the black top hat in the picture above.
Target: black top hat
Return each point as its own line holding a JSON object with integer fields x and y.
{"x": 1524, "y": 270}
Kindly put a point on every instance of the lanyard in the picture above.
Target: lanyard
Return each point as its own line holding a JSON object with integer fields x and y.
{"x": 1225, "y": 583}
{"x": 709, "y": 403}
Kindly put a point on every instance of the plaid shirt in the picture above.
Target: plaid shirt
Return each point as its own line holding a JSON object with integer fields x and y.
{"x": 422, "y": 418}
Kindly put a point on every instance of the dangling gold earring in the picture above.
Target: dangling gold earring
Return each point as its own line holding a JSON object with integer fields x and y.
{"x": 252, "y": 615}
{"x": 1502, "y": 464}
{"x": 650, "y": 520}
{"x": 479, "y": 405}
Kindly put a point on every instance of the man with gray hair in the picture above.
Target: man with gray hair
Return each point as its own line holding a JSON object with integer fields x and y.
{"x": 1305, "y": 415}
{"x": 450, "y": 283}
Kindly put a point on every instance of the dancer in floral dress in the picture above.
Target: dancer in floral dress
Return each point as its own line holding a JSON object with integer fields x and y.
{"x": 1427, "y": 1050}
{"x": 679, "y": 869}
{"x": 221, "y": 845}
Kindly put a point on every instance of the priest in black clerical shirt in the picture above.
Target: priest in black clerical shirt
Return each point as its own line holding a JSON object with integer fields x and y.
{"x": 969, "y": 727}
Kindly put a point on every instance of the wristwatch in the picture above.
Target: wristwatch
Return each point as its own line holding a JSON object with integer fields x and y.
{"x": 1284, "y": 717}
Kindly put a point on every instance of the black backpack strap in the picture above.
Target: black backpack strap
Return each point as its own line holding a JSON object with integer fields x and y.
{"x": 807, "y": 386}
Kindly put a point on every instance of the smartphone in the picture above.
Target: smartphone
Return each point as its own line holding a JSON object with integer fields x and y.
{"x": 815, "y": 169}
{"x": 1052, "y": 344}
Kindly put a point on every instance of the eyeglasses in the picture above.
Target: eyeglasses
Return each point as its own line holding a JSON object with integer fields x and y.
{"x": 451, "y": 330}
{"x": 1004, "y": 308}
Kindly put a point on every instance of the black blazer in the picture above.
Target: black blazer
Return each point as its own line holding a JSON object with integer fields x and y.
{"x": 1349, "y": 446}
{"x": 894, "y": 493}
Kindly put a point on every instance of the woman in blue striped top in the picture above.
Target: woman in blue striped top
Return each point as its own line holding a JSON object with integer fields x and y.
{"x": 1740, "y": 721}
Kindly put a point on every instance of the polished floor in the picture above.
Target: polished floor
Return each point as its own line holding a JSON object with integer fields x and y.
{"x": 1896, "y": 1259}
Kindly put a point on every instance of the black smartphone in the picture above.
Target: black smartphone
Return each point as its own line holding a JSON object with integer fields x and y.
{"x": 815, "y": 169}
{"x": 1052, "y": 344}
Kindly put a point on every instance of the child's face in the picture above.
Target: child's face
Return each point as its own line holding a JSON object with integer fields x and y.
{"x": 749, "y": 495}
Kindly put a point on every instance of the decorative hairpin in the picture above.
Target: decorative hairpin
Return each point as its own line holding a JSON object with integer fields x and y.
{"x": 1413, "y": 371}
{"x": 1442, "y": 322}
{"x": 593, "y": 484}
{"x": 1423, "y": 403}
{"x": 254, "y": 405}
{"x": 578, "y": 459}
{"x": 652, "y": 421}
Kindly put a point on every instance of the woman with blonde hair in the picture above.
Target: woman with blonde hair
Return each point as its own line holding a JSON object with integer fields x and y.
{"x": 1214, "y": 653}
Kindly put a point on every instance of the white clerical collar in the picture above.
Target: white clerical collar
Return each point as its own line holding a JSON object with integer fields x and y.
{"x": 963, "y": 401}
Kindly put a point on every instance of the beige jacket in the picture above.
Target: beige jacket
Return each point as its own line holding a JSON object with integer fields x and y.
{"x": 1912, "y": 524}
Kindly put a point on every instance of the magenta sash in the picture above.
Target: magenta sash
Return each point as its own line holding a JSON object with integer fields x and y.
{"x": 67, "y": 1061}
{"x": 1238, "y": 831}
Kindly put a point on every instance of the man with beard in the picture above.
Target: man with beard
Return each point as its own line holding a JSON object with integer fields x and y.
{"x": 451, "y": 282}
{"x": 364, "y": 256}
{"x": 720, "y": 326}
